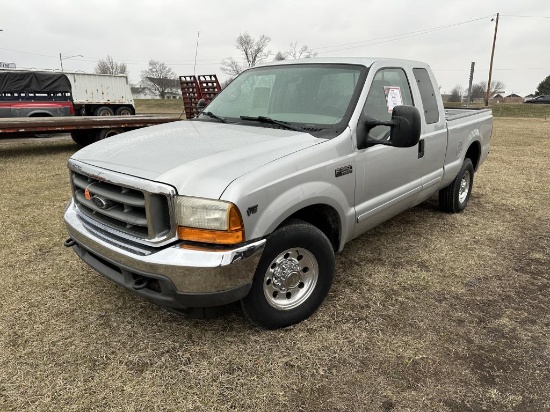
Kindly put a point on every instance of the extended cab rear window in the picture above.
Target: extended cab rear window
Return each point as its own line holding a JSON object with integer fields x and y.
{"x": 427, "y": 94}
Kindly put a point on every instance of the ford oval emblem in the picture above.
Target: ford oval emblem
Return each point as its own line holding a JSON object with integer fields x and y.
{"x": 100, "y": 202}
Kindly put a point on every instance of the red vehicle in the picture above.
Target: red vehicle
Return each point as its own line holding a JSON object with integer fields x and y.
{"x": 35, "y": 94}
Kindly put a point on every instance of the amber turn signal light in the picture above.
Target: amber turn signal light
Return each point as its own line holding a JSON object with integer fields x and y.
{"x": 220, "y": 237}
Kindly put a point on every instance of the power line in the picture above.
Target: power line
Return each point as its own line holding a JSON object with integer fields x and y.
{"x": 395, "y": 37}
{"x": 338, "y": 47}
{"x": 32, "y": 54}
{"x": 526, "y": 17}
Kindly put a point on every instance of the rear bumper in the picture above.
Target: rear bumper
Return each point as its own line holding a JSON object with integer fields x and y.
{"x": 171, "y": 276}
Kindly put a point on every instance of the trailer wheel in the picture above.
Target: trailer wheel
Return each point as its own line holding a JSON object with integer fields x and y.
{"x": 124, "y": 111}
{"x": 103, "y": 111}
{"x": 82, "y": 137}
{"x": 101, "y": 134}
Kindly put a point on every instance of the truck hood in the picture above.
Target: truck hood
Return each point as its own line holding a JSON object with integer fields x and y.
{"x": 197, "y": 158}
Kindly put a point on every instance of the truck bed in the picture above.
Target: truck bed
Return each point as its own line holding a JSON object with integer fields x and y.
{"x": 454, "y": 114}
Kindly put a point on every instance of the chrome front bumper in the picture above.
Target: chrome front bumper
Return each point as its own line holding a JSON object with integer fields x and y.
{"x": 180, "y": 277}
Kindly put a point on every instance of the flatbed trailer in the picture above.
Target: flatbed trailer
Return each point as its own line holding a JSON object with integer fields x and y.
{"x": 84, "y": 130}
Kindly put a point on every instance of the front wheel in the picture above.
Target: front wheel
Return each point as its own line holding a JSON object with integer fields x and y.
{"x": 293, "y": 277}
{"x": 454, "y": 198}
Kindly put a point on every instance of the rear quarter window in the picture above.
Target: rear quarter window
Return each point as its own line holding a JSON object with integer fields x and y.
{"x": 427, "y": 94}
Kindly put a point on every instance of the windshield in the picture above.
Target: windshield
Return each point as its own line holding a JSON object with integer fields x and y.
{"x": 307, "y": 95}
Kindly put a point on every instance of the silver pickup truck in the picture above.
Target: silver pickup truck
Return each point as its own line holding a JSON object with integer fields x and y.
{"x": 251, "y": 200}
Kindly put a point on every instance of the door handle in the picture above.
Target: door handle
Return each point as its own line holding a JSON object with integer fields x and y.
{"x": 421, "y": 149}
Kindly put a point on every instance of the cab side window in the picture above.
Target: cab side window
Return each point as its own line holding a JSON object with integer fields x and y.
{"x": 389, "y": 88}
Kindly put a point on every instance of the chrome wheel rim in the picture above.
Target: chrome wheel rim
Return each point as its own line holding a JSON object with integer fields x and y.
{"x": 464, "y": 187}
{"x": 290, "y": 278}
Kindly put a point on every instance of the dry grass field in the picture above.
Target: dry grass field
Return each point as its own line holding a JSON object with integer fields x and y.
{"x": 175, "y": 106}
{"x": 429, "y": 312}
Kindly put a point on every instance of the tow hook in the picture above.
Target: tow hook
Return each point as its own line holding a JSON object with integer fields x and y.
{"x": 140, "y": 283}
{"x": 69, "y": 242}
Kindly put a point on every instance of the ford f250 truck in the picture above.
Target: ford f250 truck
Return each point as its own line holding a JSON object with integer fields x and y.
{"x": 251, "y": 200}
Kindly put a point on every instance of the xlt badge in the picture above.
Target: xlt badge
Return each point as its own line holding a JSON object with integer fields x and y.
{"x": 345, "y": 170}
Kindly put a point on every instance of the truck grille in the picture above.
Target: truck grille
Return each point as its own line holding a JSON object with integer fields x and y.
{"x": 138, "y": 213}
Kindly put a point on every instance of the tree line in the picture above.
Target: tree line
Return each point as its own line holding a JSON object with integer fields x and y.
{"x": 479, "y": 90}
{"x": 159, "y": 79}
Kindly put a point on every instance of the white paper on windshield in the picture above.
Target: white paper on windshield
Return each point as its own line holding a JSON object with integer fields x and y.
{"x": 393, "y": 97}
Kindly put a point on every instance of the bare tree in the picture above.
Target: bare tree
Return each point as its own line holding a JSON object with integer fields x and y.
{"x": 280, "y": 56}
{"x": 295, "y": 52}
{"x": 456, "y": 94}
{"x": 478, "y": 91}
{"x": 253, "y": 50}
{"x": 159, "y": 78}
{"x": 232, "y": 67}
{"x": 497, "y": 87}
{"x": 109, "y": 66}
{"x": 300, "y": 52}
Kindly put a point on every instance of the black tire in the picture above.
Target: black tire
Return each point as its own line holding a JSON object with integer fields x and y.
{"x": 293, "y": 277}
{"x": 103, "y": 111}
{"x": 454, "y": 198}
{"x": 124, "y": 111}
{"x": 101, "y": 134}
{"x": 82, "y": 137}
{"x": 42, "y": 135}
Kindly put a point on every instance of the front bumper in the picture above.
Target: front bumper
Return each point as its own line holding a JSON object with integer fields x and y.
{"x": 170, "y": 276}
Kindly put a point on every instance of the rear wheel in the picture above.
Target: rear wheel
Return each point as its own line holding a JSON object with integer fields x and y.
{"x": 124, "y": 111}
{"x": 454, "y": 198}
{"x": 293, "y": 277}
{"x": 103, "y": 111}
{"x": 42, "y": 135}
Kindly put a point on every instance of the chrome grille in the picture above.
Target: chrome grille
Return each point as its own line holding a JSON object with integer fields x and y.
{"x": 138, "y": 213}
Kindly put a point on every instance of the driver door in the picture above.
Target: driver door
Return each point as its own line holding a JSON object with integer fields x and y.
{"x": 388, "y": 178}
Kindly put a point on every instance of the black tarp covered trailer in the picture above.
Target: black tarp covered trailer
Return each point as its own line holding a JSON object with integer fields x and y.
{"x": 33, "y": 82}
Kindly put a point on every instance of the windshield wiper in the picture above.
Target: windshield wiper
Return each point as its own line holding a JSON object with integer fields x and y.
{"x": 214, "y": 116}
{"x": 263, "y": 119}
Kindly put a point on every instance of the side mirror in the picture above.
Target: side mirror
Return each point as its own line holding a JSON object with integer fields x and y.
{"x": 405, "y": 127}
{"x": 405, "y": 131}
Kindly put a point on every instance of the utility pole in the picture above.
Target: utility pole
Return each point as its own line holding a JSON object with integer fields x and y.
{"x": 67, "y": 57}
{"x": 491, "y": 65}
{"x": 470, "y": 84}
{"x": 61, "y": 61}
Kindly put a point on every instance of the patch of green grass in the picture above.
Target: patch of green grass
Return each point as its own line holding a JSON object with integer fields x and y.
{"x": 155, "y": 106}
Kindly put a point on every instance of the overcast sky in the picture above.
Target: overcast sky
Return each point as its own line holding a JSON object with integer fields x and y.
{"x": 447, "y": 34}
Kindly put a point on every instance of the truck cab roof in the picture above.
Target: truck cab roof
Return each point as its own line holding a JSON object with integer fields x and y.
{"x": 364, "y": 61}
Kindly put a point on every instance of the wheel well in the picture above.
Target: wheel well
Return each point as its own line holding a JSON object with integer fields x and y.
{"x": 41, "y": 114}
{"x": 323, "y": 217}
{"x": 473, "y": 154}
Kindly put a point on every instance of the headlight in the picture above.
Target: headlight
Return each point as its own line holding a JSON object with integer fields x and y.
{"x": 208, "y": 221}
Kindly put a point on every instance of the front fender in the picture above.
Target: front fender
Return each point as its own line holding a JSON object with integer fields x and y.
{"x": 296, "y": 198}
